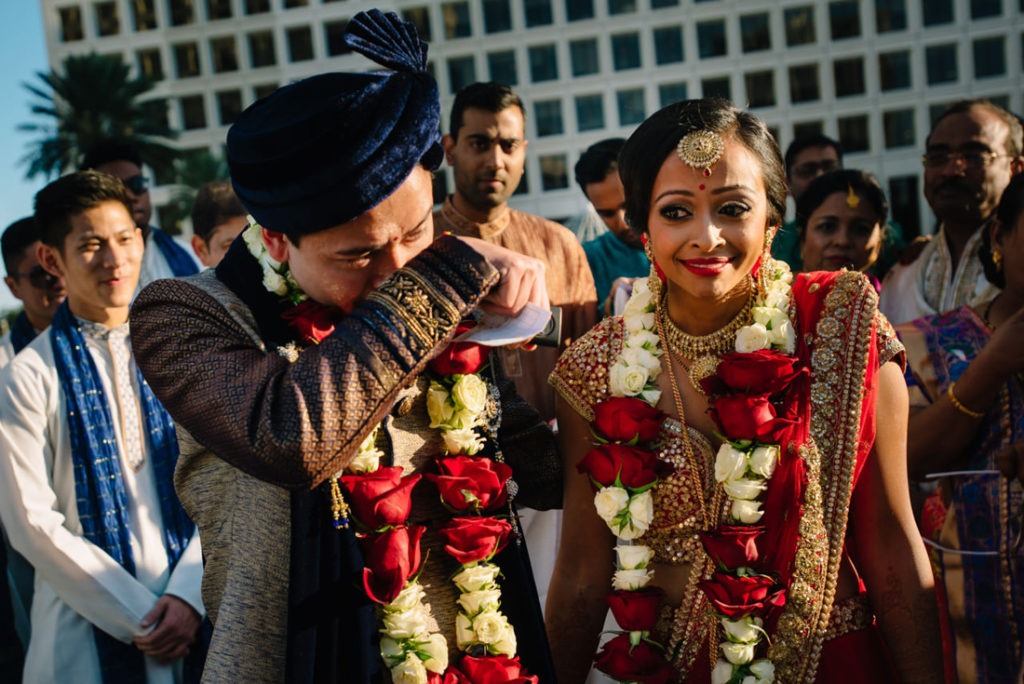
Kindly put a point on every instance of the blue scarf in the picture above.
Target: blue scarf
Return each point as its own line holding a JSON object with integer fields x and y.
{"x": 22, "y": 332}
{"x": 177, "y": 258}
{"x": 99, "y": 488}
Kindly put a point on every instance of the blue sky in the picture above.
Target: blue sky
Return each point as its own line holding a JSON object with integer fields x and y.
{"x": 22, "y": 54}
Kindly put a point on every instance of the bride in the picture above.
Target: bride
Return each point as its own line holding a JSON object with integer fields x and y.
{"x": 735, "y": 445}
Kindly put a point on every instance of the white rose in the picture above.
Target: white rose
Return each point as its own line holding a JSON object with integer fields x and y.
{"x": 470, "y": 393}
{"x": 730, "y": 463}
{"x": 409, "y": 598}
{"x": 784, "y": 337}
{"x": 646, "y": 339}
{"x": 462, "y": 441}
{"x": 751, "y": 338}
{"x": 641, "y": 510}
{"x": 763, "y": 460}
{"x": 405, "y": 624}
{"x": 434, "y": 653}
{"x": 640, "y": 300}
{"x": 391, "y": 651}
{"x": 491, "y": 627}
{"x": 476, "y": 577}
{"x": 738, "y": 654}
{"x": 638, "y": 321}
{"x": 464, "y": 419}
{"x": 473, "y": 602}
{"x": 631, "y": 580}
{"x": 722, "y": 672}
{"x": 744, "y": 631}
{"x": 627, "y": 381}
{"x": 764, "y": 669}
{"x": 365, "y": 462}
{"x": 273, "y": 281}
{"x": 506, "y": 646}
{"x": 642, "y": 289}
{"x": 253, "y": 236}
{"x": 768, "y": 316}
{"x": 778, "y": 297}
{"x": 439, "y": 408}
{"x": 745, "y": 489}
{"x": 409, "y": 671}
{"x": 633, "y": 557}
{"x": 464, "y": 634}
{"x": 638, "y": 356}
{"x": 610, "y": 502}
{"x": 747, "y": 512}
{"x": 651, "y": 396}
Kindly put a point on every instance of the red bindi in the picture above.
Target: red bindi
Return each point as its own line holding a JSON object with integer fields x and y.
{"x": 701, "y": 186}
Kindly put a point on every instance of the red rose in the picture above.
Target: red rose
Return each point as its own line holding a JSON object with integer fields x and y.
{"x": 467, "y": 483}
{"x": 627, "y": 419}
{"x": 469, "y": 540}
{"x": 313, "y": 321}
{"x": 380, "y": 498}
{"x": 636, "y": 610}
{"x": 608, "y": 464}
{"x": 736, "y": 597}
{"x": 641, "y": 663}
{"x": 460, "y": 358}
{"x": 759, "y": 372}
{"x": 733, "y": 546}
{"x": 391, "y": 558}
{"x": 493, "y": 670}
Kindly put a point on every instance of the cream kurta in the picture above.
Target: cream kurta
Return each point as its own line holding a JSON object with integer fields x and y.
{"x": 77, "y": 584}
{"x": 6, "y": 350}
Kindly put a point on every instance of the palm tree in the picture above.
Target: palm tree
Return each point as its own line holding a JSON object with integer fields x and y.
{"x": 92, "y": 99}
{"x": 192, "y": 170}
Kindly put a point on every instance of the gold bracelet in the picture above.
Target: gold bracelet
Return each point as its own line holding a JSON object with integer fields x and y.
{"x": 960, "y": 407}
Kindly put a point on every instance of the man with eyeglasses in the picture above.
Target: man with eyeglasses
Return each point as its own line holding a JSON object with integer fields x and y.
{"x": 163, "y": 258}
{"x": 972, "y": 151}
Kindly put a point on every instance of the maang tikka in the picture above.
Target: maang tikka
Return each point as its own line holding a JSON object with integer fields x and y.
{"x": 701, "y": 149}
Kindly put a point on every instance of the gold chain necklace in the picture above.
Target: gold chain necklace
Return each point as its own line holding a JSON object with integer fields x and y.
{"x": 690, "y": 346}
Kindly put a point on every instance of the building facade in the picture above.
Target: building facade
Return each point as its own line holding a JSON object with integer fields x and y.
{"x": 872, "y": 73}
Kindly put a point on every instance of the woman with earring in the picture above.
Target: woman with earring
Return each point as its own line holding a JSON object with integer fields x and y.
{"x": 734, "y": 445}
{"x": 966, "y": 377}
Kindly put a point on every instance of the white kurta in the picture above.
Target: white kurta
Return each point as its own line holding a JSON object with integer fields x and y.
{"x": 6, "y": 350}
{"x": 154, "y": 264}
{"x": 78, "y": 585}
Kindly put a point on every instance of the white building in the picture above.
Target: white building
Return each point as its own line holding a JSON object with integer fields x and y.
{"x": 872, "y": 73}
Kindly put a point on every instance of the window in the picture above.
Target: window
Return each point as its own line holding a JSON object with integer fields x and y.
{"x": 799, "y": 23}
{"x": 718, "y": 86}
{"x": 537, "y": 12}
{"x": 935, "y": 12}
{"x": 668, "y": 45}
{"x": 936, "y": 110}
{"x": 711, "y": 38}
{"x": 894, "y": 70}
{"x": 903, "y": 202}
{"x": 497, "y": 16}
{"x": 543, "y": 63}
{"x": 554, "y": 172}
{"x": 261, "y": 91}
{"x": 760, "y": 88}
{"x": 803, "y": 83}
{"x": 986, "y": 8}
{"x": 333, "y": 31}
{"x": 420, "y": 18}
{"x": 456, "y": 20}
{"x": 583, "y": 56}
{"x": 300, "y": 43}
{"x": 186, "y": 60}
{"x": 806, "y": 129}
{"x": 578, "y": 10}
{"x": 844, "y": 19}
{"x": 589, "y": 112}
{"x": 671, "y": 92}
{"x": 225, "y": 56}
{"x": 70, "y": 24}
{"x": 143, "y": 15}
{"x": 292, "y": 4}
{"x": 181, "y": 12}
{"x": 218, "y": 9}
{"x": 899, "y": 128}
{"x": 626, "y": 51}
{"x": 461, "y": 72}
{"x": 989, "y": 57}
{"x": 229, "y": 106}
{"x": 621, "y": 6}
{"x": 631, "y": 106}
{"x": 941, "y": 63}
{"x": 193, "y": 112}
{"x": 548, "y": 114}
{"x": 755, "y": 32}
{"x": 890, "y": 15}
{"x": 658, "y": 4}
{"x": 261, "y": 49}
{"x": 107, "y": 21}
{"x": 257, "y": 6}
{"x": 849, "y": 76}
{"x": 150, "y": 63}
{"x": 501, "y": 66}
{"x": 853, "y": 133}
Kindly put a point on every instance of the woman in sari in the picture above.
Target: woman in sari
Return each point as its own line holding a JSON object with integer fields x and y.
{"x": 966, "y": 388}
{"x": 725, "y": 471}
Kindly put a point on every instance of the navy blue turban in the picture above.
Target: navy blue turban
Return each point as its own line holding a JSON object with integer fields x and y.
{"x": 324, "y": 150}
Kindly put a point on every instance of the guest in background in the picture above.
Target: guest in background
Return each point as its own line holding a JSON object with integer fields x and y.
{"x": 217, "y": 218}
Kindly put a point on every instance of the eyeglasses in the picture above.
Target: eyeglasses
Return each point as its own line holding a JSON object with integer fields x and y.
{"x": 812, "y": 169}
{"x": 137, "y": 184}
{"x": 973, "y": 160}
{"x": 38, "y": 277}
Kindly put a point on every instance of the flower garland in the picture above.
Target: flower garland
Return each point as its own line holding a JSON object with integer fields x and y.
{"x": 622, "y": 469}
{"x": 459, "y": 405}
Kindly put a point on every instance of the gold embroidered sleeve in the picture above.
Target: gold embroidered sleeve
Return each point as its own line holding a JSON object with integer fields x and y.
{"x": 889, "y": 346}
{"x": 581, "y": 374}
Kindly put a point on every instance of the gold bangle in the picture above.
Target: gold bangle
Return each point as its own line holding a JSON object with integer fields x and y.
{"x": 960, "y": 407}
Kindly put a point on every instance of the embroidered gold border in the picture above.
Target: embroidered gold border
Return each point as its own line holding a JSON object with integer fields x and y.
{"x": 424, "y": 311}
